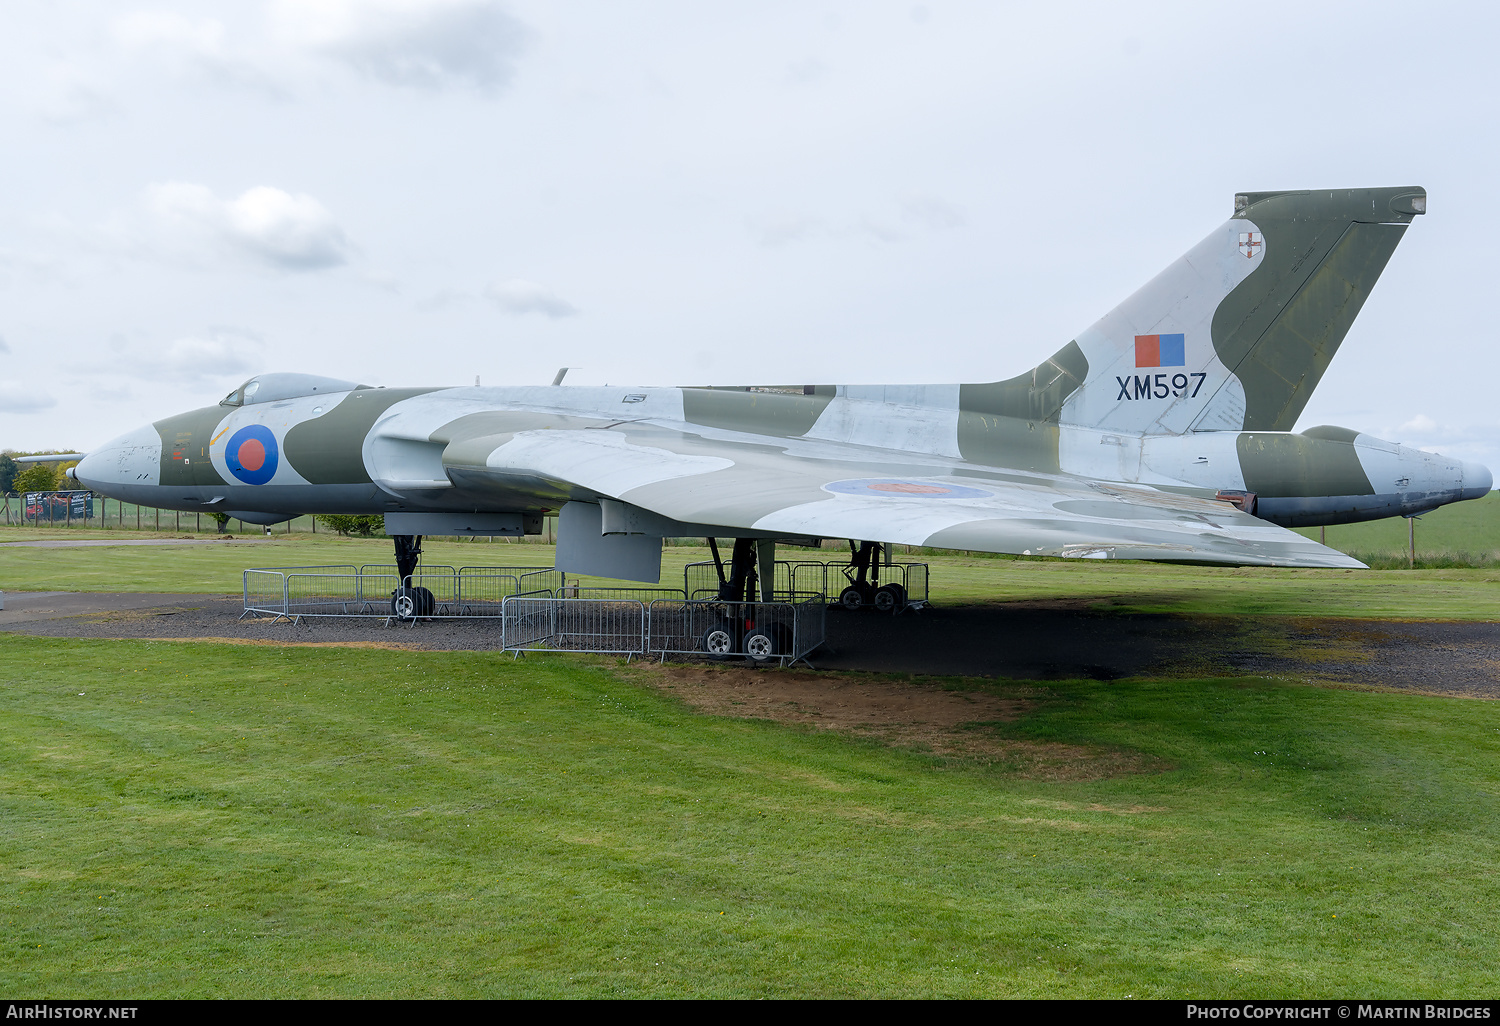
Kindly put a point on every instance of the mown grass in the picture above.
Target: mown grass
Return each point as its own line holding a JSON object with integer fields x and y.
{"x": 201, "y": 820}
{"x": 1445, "y": 585}
{"x": 955, "y": 578}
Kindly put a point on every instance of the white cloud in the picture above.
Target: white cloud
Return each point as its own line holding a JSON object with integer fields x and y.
{"x": 264, "y": 225}
{"x": 419, "y": 43}
{"x": 933, "y": 213}
{"x": 785, "y": 228}
{"x": 18, "y": 398}
{"x": 203, "y": 46}
{"x": 4, "y": 347}
{"x": 923, "y": 213}
{"x": 518, "y": 296}
{"x": 1421, "y": 424}
{"x": 69, "y": 93}
{"x": 219, "y": 354}
{"x": 140, "y": 29}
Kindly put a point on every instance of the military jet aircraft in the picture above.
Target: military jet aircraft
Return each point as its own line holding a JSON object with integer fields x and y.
{"x": 1162, "y": 432}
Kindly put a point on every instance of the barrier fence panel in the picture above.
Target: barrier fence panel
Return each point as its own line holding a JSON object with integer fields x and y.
{"x": 527, "y": 622}
{"x": 811, "y": 576}
{"x": 531, "y": 581}
{"x": 265, "y": 592}
{"x": 808, "y": 576}
{"x": 370, "y": 590}
{"x": 616, "y": 626}
{"x": 625, "y": 621}
{"x": 339, "y": 594}
{"x": 390, "y": 568}
{"x": 785, "y": 631}
{"x": 481, "y": 594}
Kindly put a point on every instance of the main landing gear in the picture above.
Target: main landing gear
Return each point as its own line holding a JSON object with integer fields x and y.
{"x": 408, "y": 603}
{"x": 745, "y": 627}
{"x": 865, "y": 589}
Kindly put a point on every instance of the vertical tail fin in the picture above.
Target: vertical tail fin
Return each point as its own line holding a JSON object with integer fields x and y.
{"x": 1236, "y": 334}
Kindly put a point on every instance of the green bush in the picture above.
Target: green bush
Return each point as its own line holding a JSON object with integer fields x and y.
{"x": 364, "y": 526}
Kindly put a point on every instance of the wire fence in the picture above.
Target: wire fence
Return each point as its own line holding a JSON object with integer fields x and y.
{"x": 432, "y": 593}
{"x": 543, "y": 610}
{"x": 64, "y": 509}
{"x": 100, "y": 512}
{"x": 905, "y": 584}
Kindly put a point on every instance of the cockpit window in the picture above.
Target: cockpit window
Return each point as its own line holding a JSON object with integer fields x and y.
{"x": 269, "y": 388}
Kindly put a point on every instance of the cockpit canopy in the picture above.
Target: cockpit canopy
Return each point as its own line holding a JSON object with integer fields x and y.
{"x": 268, "y": 388}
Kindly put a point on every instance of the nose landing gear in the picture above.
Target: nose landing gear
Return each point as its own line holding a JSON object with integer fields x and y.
{"x": 409, "y": 603}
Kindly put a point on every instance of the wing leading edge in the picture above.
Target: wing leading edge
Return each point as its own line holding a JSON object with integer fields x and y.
{"x": 794, "y": 487}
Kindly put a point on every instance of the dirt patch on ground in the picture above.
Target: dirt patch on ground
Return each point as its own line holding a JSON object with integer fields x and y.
{"x": 919, "y": 715}
{"x": 384, "y": 646}
{"x": 1056, "y": 639}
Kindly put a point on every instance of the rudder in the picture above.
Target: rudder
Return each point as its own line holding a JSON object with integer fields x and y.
{"x": 1237, "y": 333}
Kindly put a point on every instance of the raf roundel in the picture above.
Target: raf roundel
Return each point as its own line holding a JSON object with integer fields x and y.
{"x": 896, "y": 488}
{"x": 252, "y": 454}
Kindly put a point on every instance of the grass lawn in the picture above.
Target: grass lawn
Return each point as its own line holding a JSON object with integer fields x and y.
{"x": 1468, "y": 593}
{"x": 205, "y": 820}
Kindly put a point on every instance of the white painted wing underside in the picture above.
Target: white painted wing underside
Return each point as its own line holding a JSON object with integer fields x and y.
{"x": 835, "y": 490}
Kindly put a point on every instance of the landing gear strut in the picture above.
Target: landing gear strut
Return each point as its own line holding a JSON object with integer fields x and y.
{"x": 863, "y": 575}
{"x": 408, "y": 603}
{"x": 746, "y": 629}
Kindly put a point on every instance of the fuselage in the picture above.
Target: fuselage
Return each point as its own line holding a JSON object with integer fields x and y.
{"x": 340, "y": 449}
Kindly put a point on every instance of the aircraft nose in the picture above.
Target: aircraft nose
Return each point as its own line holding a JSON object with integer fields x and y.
{"x": 87, "y": 473}
{"x": 1477, "y": 480}
{"x": 131, "y": 459}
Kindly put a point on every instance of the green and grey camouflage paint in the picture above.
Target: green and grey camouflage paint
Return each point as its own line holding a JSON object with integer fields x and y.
{"x": 1114, "y": 447}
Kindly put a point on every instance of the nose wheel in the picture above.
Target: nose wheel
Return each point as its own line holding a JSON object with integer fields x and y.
{"x": 412, "y": 603}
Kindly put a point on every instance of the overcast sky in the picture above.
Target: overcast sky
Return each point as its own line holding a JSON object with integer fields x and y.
{"x": 422, "y": 191}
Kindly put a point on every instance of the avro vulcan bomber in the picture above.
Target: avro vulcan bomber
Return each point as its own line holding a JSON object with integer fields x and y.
{"x": 1161, "y": 432}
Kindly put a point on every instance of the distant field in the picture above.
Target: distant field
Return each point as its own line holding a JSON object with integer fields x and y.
{"x": 236, "y": 821}
{"x": 1470, "y": 529}
{"x": 1125, "y": 586}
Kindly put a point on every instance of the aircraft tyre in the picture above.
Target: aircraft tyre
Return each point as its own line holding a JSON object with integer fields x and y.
{"x": 890, "y": 599}
{"x": 718, "y": 643}
{"x": 412, "y": 603}
{"x": 851, "y": 598}
{"x": 760, "y": 646}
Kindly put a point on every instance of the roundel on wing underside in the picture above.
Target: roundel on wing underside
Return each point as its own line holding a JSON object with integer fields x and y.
{"x": 252, "y": 454}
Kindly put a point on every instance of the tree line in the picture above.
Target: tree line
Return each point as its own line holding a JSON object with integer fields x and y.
{"x": 19, "y": 478}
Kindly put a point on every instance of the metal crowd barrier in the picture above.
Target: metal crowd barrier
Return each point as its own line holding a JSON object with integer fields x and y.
{"x": 542, "y": 610}
{"x": 614, "y": 626}
{"x": 811, "y": 576}
{"x": 367, "y": 591}
{"x": 760, "y": 631}
{"x": 786, "y": 632}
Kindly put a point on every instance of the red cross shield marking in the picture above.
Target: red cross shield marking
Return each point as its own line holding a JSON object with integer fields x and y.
{"x": 1249, "y": 243}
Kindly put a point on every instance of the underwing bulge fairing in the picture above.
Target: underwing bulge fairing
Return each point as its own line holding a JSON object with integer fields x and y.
{"x": 1162, "y": 432}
